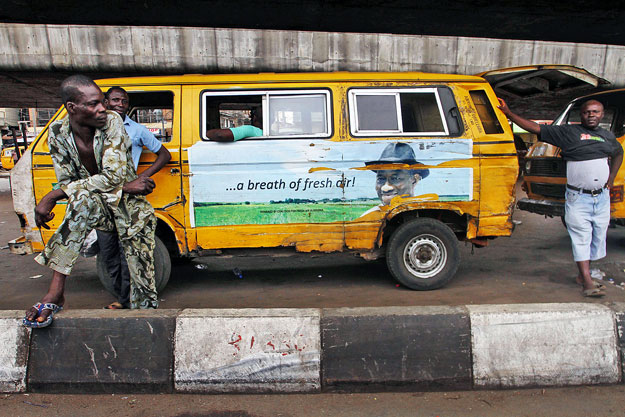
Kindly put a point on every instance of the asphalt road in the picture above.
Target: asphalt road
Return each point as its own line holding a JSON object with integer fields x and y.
{"x": 533, "y": 266}
{"x": 582, "y": 401}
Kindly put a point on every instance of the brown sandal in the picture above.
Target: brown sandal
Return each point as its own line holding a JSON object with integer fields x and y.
{"x": 593, "y": 292}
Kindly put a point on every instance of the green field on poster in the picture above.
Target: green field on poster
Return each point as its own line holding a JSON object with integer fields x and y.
{"x": 279, "y": 213}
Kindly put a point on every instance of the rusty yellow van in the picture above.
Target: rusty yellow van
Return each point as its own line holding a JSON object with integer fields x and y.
{"x": 401, "y": 165}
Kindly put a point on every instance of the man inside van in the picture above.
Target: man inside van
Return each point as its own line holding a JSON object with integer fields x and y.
{"x": 233, "y": 134}
{"x": 391, "y": 183}
{"x": 91, "y": 154}
{"x": 110, "y": 249}
{"x": 593, "y": 157}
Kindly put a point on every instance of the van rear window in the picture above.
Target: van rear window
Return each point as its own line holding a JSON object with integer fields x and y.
{"x": 485, "y": 111}
{"x": 397, "y": 112}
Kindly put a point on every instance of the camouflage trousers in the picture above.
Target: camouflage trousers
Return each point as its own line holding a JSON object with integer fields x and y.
{"x": 86, "y": 211}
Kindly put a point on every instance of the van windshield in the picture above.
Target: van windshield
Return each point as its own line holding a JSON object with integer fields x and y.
{"x": 614, "y": 112}
{"x": 573, "y": 117}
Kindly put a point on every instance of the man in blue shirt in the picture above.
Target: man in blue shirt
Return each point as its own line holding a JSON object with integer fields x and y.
{"x": 117, "y": 100}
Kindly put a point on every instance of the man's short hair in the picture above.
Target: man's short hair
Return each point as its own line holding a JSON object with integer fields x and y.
{"x": 70, "y": 87}
{"x": 114, "y": 88}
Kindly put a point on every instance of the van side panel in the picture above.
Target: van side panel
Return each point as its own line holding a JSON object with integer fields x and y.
{"x": 256, "y": 192}
{"x": 498, "y": 164}
{"x": 321, "y": 194}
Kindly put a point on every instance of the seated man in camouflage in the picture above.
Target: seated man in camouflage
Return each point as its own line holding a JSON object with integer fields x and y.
{"x": 91, "y": 153}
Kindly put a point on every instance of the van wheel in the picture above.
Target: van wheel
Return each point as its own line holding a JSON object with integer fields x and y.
{"x": 423, "y": 254}
{"x": 162, "y": 268}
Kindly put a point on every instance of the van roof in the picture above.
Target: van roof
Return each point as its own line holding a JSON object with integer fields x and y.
{"x": 272, "y": 77}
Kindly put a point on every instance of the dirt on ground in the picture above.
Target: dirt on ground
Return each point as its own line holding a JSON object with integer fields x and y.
{"x": 581, "y": 401}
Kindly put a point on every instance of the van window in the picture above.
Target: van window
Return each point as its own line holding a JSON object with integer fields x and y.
{"x": 485, "y": 111}
{"x": 285, "y": 114}
{"x": 297, "y": 115}
{"x": 396, "y": 112}
{"x": 154, "y": 110}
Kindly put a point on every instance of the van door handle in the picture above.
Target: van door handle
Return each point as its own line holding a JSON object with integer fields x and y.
{"x": 174, "y": 171}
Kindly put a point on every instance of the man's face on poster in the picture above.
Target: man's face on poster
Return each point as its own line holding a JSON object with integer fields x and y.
{"x": 394, "y": 182}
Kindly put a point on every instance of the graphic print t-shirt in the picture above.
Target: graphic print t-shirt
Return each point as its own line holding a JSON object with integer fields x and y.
{"x": 579, "y": 143}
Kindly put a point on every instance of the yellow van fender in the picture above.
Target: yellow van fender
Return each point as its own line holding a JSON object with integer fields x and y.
{"x": 176, "y": 228}
{"x": 421, "y": 205}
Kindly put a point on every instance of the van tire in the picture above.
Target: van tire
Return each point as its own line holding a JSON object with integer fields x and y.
{"x": 437, "y": 247}
{"x": 162, "y": 268}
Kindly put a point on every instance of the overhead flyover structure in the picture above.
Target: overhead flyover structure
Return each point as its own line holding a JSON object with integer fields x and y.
{"x": 34, "y": 58}
{"x": 576, "y": 21}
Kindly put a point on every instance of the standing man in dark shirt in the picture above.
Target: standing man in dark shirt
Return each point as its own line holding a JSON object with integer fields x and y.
{"x": 593, "y": 157}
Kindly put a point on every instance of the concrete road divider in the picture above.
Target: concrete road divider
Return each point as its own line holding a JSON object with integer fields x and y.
{"x": 104, "y": 351}
{"x": 543, "y": 345}
{"x": 13, "y": 351}
{"x": 373, "y": 349}
{"x": 248, "y": 350}
{"x": 619, "y": 309}
{"x": 313, "y": 350}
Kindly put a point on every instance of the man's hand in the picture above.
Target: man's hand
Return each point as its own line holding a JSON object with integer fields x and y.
{"x": 503, "y": 107}
{"x": 528, "y": 125}
{"x": 140, "y": 186}
{"x": 43, "y": 210}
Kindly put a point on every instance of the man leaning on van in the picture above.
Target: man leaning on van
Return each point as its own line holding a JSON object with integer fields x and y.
{"x": 593, "y": 157}
{"x": 91, "y": 153}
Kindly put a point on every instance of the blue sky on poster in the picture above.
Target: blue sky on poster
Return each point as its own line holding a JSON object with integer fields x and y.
{"x": 274, "y": 170}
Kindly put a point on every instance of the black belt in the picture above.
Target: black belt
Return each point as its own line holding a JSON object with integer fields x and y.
{"x": 582, "y": 190}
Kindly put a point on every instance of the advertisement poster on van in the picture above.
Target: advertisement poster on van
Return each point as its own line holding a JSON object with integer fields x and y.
{"x": 295, "y": 181}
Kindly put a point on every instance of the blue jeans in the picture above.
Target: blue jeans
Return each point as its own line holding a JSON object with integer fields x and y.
{"x": 587, "y": 220}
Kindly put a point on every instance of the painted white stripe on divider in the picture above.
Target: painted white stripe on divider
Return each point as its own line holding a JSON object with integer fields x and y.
{"x": 247, "y": 350}
{"x": 543, "y": 344}
{"x": 13, "y": 352}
